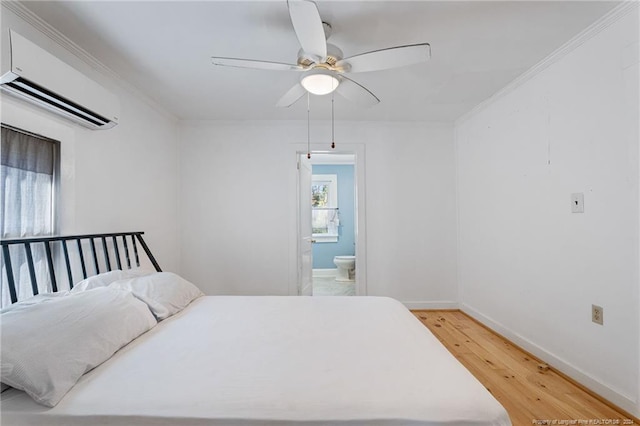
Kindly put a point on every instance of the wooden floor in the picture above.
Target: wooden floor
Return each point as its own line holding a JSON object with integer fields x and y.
{"x": 529, "y": 391}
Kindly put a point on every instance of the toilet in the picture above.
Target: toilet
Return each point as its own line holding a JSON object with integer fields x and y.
{"x": 346, "y": 268}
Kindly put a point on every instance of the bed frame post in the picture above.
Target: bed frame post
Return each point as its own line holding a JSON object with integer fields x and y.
{"x": 148, "y": 252}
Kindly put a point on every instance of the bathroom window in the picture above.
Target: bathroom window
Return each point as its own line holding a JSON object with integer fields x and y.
{"x": 324, "y": 203}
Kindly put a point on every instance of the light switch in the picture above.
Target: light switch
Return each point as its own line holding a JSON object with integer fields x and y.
{"x": 577, "y": 202}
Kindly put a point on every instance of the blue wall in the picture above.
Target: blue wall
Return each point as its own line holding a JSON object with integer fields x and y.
{"x": 323, "y": 253}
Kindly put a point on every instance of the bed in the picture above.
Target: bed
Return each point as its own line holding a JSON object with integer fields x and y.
{"x": 265, "y": 360}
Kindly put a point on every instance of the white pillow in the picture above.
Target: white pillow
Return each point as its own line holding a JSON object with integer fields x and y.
{"x": 166, "y": 293}
{"x": 106, "y": 278}
{"x": 139, "y": 271}
{"x": 33, "y": 300}
{"x": 46, "y": 347}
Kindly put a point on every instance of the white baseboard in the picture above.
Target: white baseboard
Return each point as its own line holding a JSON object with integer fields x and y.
{"x": 325, "y": 272}
{"x": 623, "y": 401}
{"x": 431, "y": 305}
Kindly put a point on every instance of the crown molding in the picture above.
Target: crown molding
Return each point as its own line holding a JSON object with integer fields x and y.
{"x": 621, "y": 10}
{"x": 18, "y": 8}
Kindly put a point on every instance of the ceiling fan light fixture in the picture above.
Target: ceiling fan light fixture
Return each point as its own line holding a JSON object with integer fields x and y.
{"x": 319, "y": 82}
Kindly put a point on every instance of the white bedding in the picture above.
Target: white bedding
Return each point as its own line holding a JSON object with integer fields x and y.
{"x": 236, "y": 360}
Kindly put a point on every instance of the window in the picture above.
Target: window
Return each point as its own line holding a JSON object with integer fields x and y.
{"x": 27, "y": 184}
{"x": 324, "y": 203}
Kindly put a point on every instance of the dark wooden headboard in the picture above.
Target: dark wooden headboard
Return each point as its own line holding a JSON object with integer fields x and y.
{"x": 56, "y": 252}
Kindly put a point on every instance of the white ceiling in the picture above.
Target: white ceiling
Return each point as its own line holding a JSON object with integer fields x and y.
{"x": 164, "y": 49}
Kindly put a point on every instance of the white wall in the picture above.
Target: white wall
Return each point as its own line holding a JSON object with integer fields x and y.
{"x": 122, "y": 179}
{"x": 530, "y": 268}
{"x": 237, "y": 217}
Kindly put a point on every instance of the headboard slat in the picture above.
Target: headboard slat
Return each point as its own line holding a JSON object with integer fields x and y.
{"x": 9, "y": 269}
{"x": 65, "y": 249}
{"x": 32, "y": 270}
{"x": 52, "y": 274}
{"x": 95, "y": 255}
{"x": 117, "y": 252}
{"x": 81, "y": 254}
{"x": 106, "y": 253}
{"x": 126, "y": 251}
{"x": 135, "y": 251}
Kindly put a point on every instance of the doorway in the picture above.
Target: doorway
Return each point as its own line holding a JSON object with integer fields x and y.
{"x": 330, "y": 223}
{"x": 333, "y": 224}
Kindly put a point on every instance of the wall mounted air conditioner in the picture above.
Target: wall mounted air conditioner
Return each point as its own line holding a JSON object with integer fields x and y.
{"x": 34, "y": 75}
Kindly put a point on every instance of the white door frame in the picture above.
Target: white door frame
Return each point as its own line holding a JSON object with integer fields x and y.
{"x": 305, "y": 231}
{"x": 360, "y": 220}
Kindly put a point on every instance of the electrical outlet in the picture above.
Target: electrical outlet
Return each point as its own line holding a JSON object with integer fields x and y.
{"x": 597, "y": 314}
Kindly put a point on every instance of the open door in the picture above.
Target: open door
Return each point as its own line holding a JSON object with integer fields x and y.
{"x": 305, "y": 252}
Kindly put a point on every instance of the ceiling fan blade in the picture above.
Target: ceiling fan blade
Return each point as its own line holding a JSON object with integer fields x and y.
{"x": 307, "y": 24}
{"x": 356, "y": 92}
{"x": 250, "y": 63}
{"x": 292, "y": 96}
{"x": 392, "y": 57}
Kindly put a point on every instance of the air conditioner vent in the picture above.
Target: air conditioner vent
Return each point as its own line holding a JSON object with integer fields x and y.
{"x": 33, "y": 90}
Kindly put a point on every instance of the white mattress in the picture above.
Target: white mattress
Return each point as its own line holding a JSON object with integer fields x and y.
{"x": 239, "y": 360}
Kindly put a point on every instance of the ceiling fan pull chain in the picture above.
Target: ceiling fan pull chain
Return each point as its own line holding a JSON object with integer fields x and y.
{"x": 308, "y": 127}
{"x": 333, "y": 126}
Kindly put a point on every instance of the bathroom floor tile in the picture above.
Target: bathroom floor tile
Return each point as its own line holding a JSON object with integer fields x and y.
{"x": 328, "y": 286}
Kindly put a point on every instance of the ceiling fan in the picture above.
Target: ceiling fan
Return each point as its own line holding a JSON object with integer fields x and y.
{"x": 323, "y": 64}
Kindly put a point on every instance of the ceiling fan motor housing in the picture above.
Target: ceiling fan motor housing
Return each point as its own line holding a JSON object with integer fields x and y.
{"x": 334, "y": 54}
